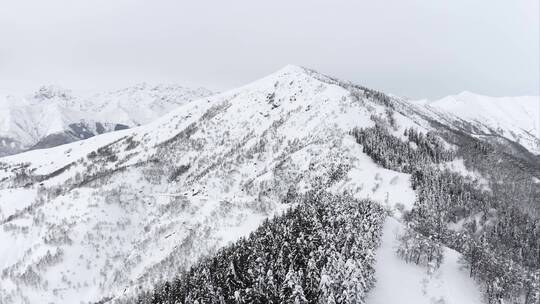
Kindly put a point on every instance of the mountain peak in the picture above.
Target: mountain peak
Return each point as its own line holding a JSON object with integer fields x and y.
{"x": 467, "y": 94}
{"x": 291, "y": 68}
{"x": 292, "y": 72}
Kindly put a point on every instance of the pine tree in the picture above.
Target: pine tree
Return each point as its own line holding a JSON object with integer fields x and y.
{"x": 326, "y": 289}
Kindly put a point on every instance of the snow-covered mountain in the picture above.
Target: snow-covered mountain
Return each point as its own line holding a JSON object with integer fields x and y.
{"x": 54, "y": 116}
{"x": 107, "y": 217}
{"x": 513, "y": 118}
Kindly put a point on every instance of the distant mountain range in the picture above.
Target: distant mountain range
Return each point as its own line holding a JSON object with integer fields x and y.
{"x": 515, "y": 119}
{"x": 53, "y": 115}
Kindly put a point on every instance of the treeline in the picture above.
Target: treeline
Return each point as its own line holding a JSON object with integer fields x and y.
{"x": 513, "y": 179}
{"x": 392, "y": 153}
{"x": 321, "y": 251}
{"x": 500, "y": 243}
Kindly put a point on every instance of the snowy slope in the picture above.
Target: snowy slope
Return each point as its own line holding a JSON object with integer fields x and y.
{"x": 122, "y": 210}
{"x": 398, "y": 282}
{"x": 40, "y": 119}
{"x": 514, "y": 118}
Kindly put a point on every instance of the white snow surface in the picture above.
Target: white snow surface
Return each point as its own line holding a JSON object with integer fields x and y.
{"x": 125, "y": 209}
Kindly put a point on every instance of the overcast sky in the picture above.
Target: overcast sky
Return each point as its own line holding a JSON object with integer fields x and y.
{"x": 414, "y": 48}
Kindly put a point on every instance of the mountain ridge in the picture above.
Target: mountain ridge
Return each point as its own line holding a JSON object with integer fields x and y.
{"x": 240, "y": 148}
{"x": 111, "y": 215}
